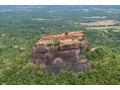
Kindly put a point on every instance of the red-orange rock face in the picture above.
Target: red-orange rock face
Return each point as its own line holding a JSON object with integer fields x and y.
{"x": 70, "y": 56}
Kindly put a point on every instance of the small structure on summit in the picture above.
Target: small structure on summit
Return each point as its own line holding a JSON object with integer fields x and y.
{"x": 63, "y": 51}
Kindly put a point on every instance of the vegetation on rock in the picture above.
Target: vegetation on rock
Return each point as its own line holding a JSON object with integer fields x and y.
{"x": 66, "y": 33}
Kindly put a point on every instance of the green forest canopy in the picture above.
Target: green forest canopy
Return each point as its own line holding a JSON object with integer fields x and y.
{"x": 18, "y": 34}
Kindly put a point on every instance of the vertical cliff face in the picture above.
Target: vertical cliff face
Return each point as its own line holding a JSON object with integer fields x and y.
{"x": 68, "y": 53}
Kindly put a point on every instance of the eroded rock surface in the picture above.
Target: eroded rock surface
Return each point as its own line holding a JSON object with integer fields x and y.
{"x": 71, "y": 56}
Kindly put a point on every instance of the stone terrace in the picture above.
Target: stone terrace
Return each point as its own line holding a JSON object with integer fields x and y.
{"x": 71, "y": 37}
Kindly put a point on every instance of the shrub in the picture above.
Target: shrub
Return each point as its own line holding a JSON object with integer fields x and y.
{"x": 84, "y": 32}
{"x": 83, "y": 56}
{"x": 88, "y": 49}
{"x": 40, "y": 44}
{"x": 80, "y": 61}
{"x": 57, "y": 44}
{"x": 66, "y": 33}
{"x": 35, "y": 45}
{"x": 49, "y": 44}
{"x": 80, "y": 39}
{"x": 84, "y": 36}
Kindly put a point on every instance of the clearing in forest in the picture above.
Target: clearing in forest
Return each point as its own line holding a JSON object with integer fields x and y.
{"x": 103, "y": 28}
{"x": 101, "y": 23}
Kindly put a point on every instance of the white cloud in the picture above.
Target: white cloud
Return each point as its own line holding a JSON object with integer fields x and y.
{"x": 59, "y": 2}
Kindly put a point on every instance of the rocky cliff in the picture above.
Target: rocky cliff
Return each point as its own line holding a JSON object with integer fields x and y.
{"x": 64, "y": 51}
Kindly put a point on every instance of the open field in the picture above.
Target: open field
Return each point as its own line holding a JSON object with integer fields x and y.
{"x": 116, "y": 30}
{"x": 100, "y": 23}
{"x": 41, "y": 19}
{"x": 106, "y": 27}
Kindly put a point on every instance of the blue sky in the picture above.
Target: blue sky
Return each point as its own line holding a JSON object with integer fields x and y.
{"x": 59, "y": 2}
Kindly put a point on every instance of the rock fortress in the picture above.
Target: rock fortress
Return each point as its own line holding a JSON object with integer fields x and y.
{"x": 63, "y": 51}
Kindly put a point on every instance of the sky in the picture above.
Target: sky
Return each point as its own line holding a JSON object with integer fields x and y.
{"x": 59, "y": 2}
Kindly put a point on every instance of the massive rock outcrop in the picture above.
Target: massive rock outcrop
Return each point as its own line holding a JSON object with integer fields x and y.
{"x": 64, "y": 51}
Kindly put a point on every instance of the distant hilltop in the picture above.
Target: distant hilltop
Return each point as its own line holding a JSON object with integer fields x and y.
{"x": 63, "y": 51}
